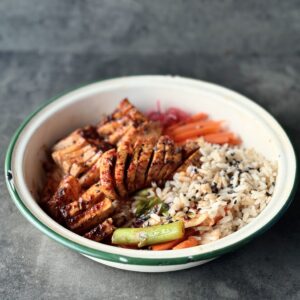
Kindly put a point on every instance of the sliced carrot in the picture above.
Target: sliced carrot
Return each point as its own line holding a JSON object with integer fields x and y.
{"x": 190, "y": 242}
{"x": 193, "y": 126}
{"x": 197, "y": 117}
{"x": 192, "y": 134}
{"x": 192, "y": 119}
{"x": 219, "y": 138}
{"x": 235, "y": 141}
{"x": 171, "y": 244}
{"x": 166, "y": 246}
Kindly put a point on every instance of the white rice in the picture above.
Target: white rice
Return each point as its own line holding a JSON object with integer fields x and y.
{"x": 231, "y": 185}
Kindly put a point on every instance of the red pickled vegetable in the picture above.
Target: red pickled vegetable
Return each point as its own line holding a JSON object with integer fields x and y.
{"x": 171, "y": 116}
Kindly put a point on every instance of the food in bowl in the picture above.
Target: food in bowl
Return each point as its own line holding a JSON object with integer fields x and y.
{"x": 159, "y": 181}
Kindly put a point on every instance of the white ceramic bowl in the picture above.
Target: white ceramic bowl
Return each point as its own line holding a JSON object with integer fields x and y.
{"x": 87, "y": 104}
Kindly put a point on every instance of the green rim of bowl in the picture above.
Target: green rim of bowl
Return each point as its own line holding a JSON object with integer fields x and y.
{"x": 117, "y": 258}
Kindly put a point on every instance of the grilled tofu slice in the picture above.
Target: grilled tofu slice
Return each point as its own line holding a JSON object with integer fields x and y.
{"x": 177, "y": 161}
{"x": 192, "y": 160}
{"x": 189, "y": 148}
{"x": 79, "y": 151}
{"x": 168, "y": 159}
{"x": 144, "y": 162}
{"x": 93, "y": 174}
{"x": 132, "y": 168}
{"x": 129, "y": 137}
{"x": 90, "y": 218}
{"x": 157, "y": 160}
{"x": 82, "y": 163}
{"x": 101, "y": 231}
{"x": 78, "y": 138}
{"x": 122, "y": 109}
{"x": 90, "y": 197}
{"x": 125, "y": 124}
{"x": 114, "y": 130}
{"x": 120, "y": 121}
{"x": 107, "y": 164}
{"x": 149, "y": 130}
{"x": 67, "y": 192}
{"x": 127, "y": 109}
{"x": 74, "y": 163}
{"x": 79, "y": 161}
{"x": 123, "y": 153}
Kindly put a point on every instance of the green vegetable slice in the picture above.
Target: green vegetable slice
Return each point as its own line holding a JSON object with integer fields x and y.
{"x": 149, "y": 235}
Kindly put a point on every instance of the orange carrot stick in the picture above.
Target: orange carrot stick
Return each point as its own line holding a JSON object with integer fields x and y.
{"x": 190, "y": 242}
{"x": 197, "y": 117}
{"x": 219, "y": 138}
{"x": 192, "y": 134}
{"x": 193, "y": 126}
{"x": 235, "y": 141}
{"x": 194, "y": 118}
{"x": 166, "y": 246}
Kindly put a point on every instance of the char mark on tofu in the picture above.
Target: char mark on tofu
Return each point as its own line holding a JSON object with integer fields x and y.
{"x": 192, "y": 160}
{"x": 177, "y": 161}
{"x": 125, "y": 124}
{"x": 144, "y": 162}
{"x": 157, "y": 161}
{"x": 79, "y": 151}
{"x": 168, "y": 159}
{"x": 123, "y": 151}
{"x": 101, "y": 231}
{"x": 67, "y": 192}
{"x": 107, "y": 181}
{"x": 91, "y": 217}
{"x": 78, "y": 138}
{"x": 90, "y": 197}
{"x": 92, "y": 175}
{"x": 189, "y": 148}
{"x": 132, "y": 168}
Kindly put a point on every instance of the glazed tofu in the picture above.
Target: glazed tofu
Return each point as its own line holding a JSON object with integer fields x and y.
{"x": 126, "y": 124}
{"x": 90, "y": 197}
{"x": 123, "y": 154}
{"x": 101, "y": 231}
{"x": 132, "y": 168}
{"x": 107, "y": 181}
{"x": 189, "y": 148}
{"x": 77, "y": 139}
{"x": 92, "y": 175}
{"x": 168, "y": 159}
{"x": 144, "y": 162}
{"x": 79, "y": 151}
{"x": 177, "y": 161}
{"x": 192, "y": 160}
{"x": 91, "y": 217}
{"x": 157, "y": 161}
{"x": 67, "y": 192}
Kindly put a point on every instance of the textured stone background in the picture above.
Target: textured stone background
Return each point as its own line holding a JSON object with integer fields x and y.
{"x": 47, "y": 47}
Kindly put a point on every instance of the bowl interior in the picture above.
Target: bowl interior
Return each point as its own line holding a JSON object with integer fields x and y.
{"x": 88, "y": 104}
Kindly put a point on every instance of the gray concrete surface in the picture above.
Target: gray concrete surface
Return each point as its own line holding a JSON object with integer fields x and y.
{"x": 47, "y": 47}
